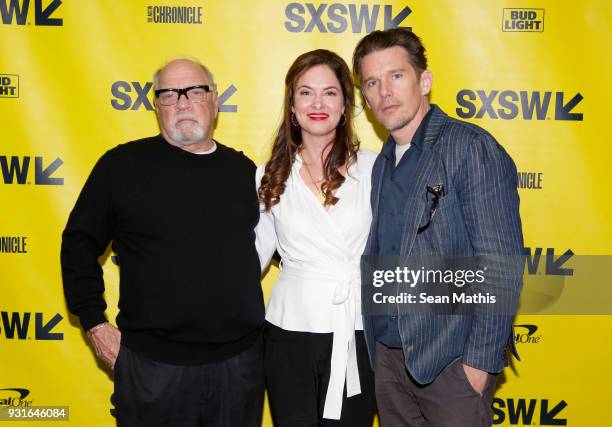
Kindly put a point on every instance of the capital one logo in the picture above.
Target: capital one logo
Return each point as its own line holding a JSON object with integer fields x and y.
{"x": 135, "y": 95}
{"x": 341, "y": 17}
{"x": 509, "y": 104}
{"x": 15, "y": 397}
{"x": 526, "y": 334}
{"x": 19, "y": 9}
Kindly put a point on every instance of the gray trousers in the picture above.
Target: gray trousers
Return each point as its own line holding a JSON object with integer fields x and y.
{"x": 449, "y": 401}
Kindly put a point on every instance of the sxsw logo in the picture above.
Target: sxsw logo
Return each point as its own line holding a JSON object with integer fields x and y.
{"x": 174, "y": 14}
{"x": 528, "y": 20}
{"x": 523, "y": 412}
{"x": 19, "y": 9}
{"x": 15, "y": 398}
{"x": 16, "y": 325}
{"x": 526, "y": 334}
{"x": 341, "y": 17}
{"x": 15, "y": 169}
{"x": 135, "y": 95}
{"x": 530, "y": 180}
{"x": 9, "y": 85}
{"x": 553, "y": 266}
{"x": 508, "y": 104}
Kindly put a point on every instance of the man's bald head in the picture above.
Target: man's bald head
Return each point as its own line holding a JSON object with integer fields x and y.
{"x": 205, "y": 71}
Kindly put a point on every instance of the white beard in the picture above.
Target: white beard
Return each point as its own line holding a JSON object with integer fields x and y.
{"x": 192, "y": 133}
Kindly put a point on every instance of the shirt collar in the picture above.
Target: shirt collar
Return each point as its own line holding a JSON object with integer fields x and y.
{"x": 388, "y": 149}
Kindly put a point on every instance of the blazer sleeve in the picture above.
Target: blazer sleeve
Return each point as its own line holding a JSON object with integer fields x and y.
{"x": 487, "y": 190}
{"x": 265, "y": 232}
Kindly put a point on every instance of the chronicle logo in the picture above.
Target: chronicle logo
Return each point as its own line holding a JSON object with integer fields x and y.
{"x": 18, "y": 9}
{"x": 526, "y": 20}
{"x": 15, "y": 397}
{"x": 9, "y": 85}
{"x": 174, "y": 14}
{"x": 135, "y": 95}
{"x": 339, "y": 17}
{"x": 511, "y": 103}
{"x": 16, "y": 168}
{"x": 13, "y": 245}
{"x": 16, "y": 325}
{"x": 530, "y": 180}
{"x": 526, "y": 334}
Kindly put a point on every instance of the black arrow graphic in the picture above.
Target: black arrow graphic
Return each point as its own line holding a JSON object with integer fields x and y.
{"x": 43, "y": 332}
{"x": 562, "y": 111}
{"x": 43, "y": 176}
{"x": 547, "y": 418}
{"x": 393, "y": 22}
{"x": 553, "y": 267}
{"x": 43, "y": 16}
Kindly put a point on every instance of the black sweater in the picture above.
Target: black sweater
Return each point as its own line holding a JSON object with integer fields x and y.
{"x": 182, "y": 225}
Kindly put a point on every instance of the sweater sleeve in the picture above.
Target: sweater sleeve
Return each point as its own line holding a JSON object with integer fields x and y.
{"x": 85, "y": 238}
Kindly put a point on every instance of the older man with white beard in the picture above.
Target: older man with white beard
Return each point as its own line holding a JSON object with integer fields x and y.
{"x": 180, "y": 210}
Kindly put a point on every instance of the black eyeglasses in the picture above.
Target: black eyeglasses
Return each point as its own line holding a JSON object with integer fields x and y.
{"x": 197, "y": 93}
{"x": 437, "y": 191}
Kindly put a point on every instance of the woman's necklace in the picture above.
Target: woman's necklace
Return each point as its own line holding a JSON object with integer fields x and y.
{"x": 316, "y": 183}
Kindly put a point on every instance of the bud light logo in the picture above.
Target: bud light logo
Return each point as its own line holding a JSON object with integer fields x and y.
{"x": 9, "y": 85}
{"x": 526, "y": 20}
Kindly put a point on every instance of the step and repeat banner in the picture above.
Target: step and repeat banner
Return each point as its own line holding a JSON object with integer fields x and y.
{"x": 75, "y": 80}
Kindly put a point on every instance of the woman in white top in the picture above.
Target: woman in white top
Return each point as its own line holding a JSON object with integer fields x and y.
{"x": 315, "y": 197}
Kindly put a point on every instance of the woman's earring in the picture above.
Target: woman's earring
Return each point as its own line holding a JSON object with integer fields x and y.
{"x": 294, "y": 121}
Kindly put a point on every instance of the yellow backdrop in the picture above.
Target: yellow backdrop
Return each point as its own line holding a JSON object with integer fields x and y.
{"x": 75, "y": 81}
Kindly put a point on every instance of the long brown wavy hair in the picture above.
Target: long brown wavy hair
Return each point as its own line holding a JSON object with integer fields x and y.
{"x": 288, "y": 140}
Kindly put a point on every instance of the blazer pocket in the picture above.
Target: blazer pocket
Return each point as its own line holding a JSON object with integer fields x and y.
{"x": 448, "y": 200}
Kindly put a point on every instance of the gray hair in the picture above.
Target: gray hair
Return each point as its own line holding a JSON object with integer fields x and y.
{"x": 203, "y": 67}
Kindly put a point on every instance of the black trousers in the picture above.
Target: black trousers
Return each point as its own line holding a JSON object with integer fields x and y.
{"x": 224, "y": 394}
{"x": 297, "y": 366}
{"x": 449, "y": 401}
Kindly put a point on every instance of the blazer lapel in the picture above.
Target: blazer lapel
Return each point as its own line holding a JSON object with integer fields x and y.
{"x": 416, "y": 200}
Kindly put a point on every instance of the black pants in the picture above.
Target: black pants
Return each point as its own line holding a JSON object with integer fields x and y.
{"x": 297, "y": 368}
{"x": 449, "y": 401}
{"x": 225, "y": 394}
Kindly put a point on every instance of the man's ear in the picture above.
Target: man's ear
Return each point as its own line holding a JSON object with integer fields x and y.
{"x": 216, "y": 103}
{"x": 426, "y": 81}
